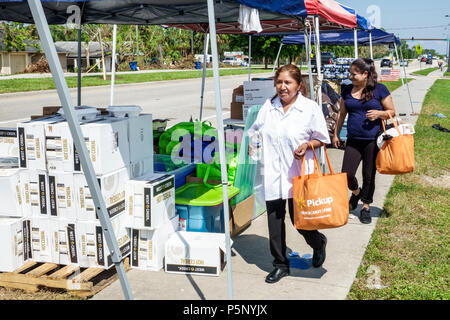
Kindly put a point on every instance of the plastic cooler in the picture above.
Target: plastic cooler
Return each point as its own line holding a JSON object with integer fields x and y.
{"x": 200, "y": 207}
{"x": 164, "y": 164}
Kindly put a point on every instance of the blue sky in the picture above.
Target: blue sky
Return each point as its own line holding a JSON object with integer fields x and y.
{"x": 411, "y": 18}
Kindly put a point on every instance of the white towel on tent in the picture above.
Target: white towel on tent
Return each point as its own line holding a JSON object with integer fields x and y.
{"x": 249, "y": 19}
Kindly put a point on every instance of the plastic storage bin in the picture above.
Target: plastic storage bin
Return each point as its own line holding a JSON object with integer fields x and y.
{"x": 200, "y": 208}
{"x": 164, "y": 164}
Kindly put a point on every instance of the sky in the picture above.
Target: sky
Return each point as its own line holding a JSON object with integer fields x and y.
{"x": 410, "y": 18}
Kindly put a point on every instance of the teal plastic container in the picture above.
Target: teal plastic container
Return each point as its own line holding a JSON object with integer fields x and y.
{"x": 200, "y": 207}
{"x": 163, "y": 164}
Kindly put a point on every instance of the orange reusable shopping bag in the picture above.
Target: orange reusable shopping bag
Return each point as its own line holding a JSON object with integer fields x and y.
{"x": 320, "y": 199}
{"x": 396, "y": 156}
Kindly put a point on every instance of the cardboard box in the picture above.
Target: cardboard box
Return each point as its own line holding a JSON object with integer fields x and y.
{"x": 241, "y": 215}
{"x": 112, "y": 187}
{"x": 150, "y": 201}
{"x": 15, "y": 239}
{"x": 94, "y": 251}
{"x": 236, "y": 110}
{"x": 41, "y": 239}
{"x": 66, "y": 249}
{"x": 140, "y": 135}
{"x": 10, "y": 193}
{"x": 148, "y": 246}
{"x": 8, "y": 143}
{"x": 62, "y": 195}
{"x": 35, "y": 193}
{"x": 257, "y": 92}
{"x": 31, "y": 143}
{"x": 238, "y": 94}
{"x": 201, "y": 253}
{"x": 106, "y": 141}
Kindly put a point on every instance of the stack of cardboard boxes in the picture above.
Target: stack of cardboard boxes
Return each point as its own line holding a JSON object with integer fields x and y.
{"x": 47, "y": 212}
{"x": 249, "y": 94}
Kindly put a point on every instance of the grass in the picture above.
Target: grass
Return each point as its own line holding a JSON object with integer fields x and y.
{"x": 446, "y": 74}
{"x": 21, "y": 85}
{"x": 392, "y": 85}
{"x": 410, "y": 244}
{"x": 425, "y": 72}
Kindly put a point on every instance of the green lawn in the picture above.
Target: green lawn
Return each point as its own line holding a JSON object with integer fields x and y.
{"x": 392, "y": 85}
{"x": 410, "y": 244}
{"x": 425, "y": 72}
{"x": 20, "y": 85}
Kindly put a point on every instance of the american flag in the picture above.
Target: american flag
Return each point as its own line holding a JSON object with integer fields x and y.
{"x": 390, "y": 74}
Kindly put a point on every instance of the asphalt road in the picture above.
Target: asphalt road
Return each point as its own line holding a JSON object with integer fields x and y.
{"x": 175, "y": 99}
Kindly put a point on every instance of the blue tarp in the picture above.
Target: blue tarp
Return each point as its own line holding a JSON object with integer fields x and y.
{"x": 345, "y": 38}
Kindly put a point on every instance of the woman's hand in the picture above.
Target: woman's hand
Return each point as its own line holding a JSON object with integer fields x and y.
{"x": 336, "y": 141}
{"x": 300, "y": 152}
{"x": 373, "y": 114}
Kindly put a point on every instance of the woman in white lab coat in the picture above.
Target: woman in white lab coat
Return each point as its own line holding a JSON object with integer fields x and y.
{"x": 287, "y": 123}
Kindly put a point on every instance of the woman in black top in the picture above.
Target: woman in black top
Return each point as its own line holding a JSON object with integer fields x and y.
{"x": 367, "y": 103}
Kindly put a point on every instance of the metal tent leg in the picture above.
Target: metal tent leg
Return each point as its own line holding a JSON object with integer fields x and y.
{"x": 63, "y": 93}
{"x": 319, "y": 80}
{"x": 113, "y": 65}
{"x": 249, "y": 56}
{"x": 79, "y": 67}
{"x": 308, "y": 57}
{"x": 407, "y": 85}
{"x": 396, "y": 53}
{"x": 276, "y": 60}
{"x": 223, "y": 164}
{"x": 205, "y": 58}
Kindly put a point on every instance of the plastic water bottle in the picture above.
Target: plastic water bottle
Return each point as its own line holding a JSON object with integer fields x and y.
{"x": 256, "y": 143}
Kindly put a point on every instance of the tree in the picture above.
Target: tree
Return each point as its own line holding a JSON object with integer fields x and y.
{"x": 17, "y": 36}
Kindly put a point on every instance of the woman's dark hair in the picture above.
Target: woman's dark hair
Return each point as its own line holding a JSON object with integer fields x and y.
{"x": 372, "y": 77}
{"x": 293, "y": 71}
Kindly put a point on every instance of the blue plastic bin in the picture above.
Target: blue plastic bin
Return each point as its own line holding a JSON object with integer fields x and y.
{"x": 198, "y": 65}
{"x": 163, "y": 164}
{"x": 201, "y": 218}
{"x": 133, "y": 65}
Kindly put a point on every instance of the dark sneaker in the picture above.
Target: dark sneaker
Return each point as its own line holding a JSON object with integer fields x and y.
{"x": 353, "y": 203}
{"x": 320, "y": 254}
{"x": 276, "y": 275}
{"x": 364, "y": 216}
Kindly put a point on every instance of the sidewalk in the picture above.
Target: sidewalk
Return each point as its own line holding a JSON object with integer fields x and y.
{"x": 251, "y": 259}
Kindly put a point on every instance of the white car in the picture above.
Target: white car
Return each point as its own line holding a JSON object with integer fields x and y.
{"x": 232, "y": 61}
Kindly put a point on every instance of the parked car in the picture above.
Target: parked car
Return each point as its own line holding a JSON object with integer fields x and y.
{"x": 403, "y": 63}
{"x": 423, "y": 59}
{"x": 429, "y": 61}
{"x": 325, "y": 58}
{"x": 386, "y": 63}
{"x": 232, "y": 61}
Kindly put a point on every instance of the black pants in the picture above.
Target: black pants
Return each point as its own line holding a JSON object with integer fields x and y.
{"x": 276, "y": 211}
{"x": 355, "y": 151}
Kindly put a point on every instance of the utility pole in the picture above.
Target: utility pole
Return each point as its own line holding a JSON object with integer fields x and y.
{"x": 448, "y": 45}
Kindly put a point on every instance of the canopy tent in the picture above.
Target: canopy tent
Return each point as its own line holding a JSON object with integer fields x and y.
{"x": 345, "y": 38}
{"x": 154, "y": 12}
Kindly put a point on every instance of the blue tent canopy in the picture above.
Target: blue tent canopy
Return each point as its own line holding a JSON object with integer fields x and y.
{"x": 345, "y": 38}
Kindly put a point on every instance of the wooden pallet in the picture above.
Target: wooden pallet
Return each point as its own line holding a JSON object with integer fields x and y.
{"x": 81, "y": 282}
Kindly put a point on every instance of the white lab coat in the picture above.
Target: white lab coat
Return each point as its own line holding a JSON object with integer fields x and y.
{"x": 282, "y": 134}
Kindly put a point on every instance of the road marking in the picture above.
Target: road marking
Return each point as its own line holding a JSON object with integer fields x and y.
{"x": 15, "y": 120}
{"x": 215, "y": 116}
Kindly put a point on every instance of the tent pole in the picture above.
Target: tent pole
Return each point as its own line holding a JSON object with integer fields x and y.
{"x": 205, "y": 61}
{"x": 220, "y": 131}
{"x": 79, "y": 67}
{"x": 113, "y": 65}
{"x": 249, "y": 55}
{"x": 276, "y": 60}
{"x": 63, "y": 92}
{"x": 308, "y": 57}
{"x": 370, "y": 43}
{"x": 319, "y": 80}
{"x": 355, "y": 36}
{"x": 398, "y": 60}
{"x": 407, "y": 85}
